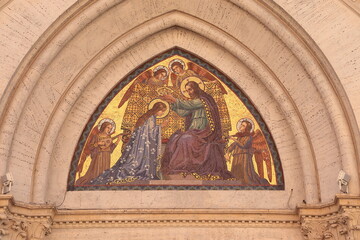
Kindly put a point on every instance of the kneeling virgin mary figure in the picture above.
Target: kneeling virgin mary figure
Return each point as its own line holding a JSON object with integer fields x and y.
{"x": 139, "y": 159}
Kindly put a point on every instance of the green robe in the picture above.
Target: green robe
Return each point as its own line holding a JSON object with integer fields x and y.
{"x": 194, "y": 107}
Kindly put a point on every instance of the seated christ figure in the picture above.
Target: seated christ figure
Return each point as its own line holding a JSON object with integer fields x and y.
{"x": 199, "y": 150}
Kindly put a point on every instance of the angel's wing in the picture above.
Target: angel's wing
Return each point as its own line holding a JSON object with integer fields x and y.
{"x": 200, "y": 71}
{"x": 141, "y": 78}
{"x": 204, "y": 74}
{"x": 173, "y": 78}
{"x": 261, "y": 152}
{"x": 87, "y": 149}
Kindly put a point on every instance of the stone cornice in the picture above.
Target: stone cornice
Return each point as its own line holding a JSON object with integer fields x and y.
{"x": 336, "y": 220}
{"x": 184, "y": 217}
{"x": 341, "y": 201}
{"x": 26, "y": 210}
{"x": 66, "y": 218}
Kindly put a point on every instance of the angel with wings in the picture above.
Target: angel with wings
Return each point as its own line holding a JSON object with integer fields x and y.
{"x": 261, "y": 154}
{"x": 246, "y": 145}
{"x": 148, "y": 86}
{"x": 155, "y": 78}
{"x": 99, "y": 147}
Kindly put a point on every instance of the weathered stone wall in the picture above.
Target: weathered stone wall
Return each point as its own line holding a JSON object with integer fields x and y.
{"x": 296, "y": 60}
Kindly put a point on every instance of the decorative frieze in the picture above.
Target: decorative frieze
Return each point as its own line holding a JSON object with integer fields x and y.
{"x": 339, "y": 221}
{"x": 329, "y": 228}
{"x": 17, "y": 228}
{"x": 20, "y": 222}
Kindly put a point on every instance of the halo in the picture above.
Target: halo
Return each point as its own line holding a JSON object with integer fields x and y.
{"x": 151, "y": 104}
{"x": 161, "y": 67}
{"x": 245, "y": 119}
{"x": 174, "y": 61}
{"x": 110, "y": 121}
{"x": 191, "y": 79}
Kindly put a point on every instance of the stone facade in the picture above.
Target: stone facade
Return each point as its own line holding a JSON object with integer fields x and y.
{"x": 298, "y": 61}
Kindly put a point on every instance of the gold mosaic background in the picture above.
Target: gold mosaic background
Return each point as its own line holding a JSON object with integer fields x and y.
{"x": 235, "y": 107}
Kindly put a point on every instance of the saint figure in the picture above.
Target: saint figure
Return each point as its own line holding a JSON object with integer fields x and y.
{"x": 181, "y": 72}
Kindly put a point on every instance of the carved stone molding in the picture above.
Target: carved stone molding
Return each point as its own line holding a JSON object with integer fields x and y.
{"x": 353, "y": 4}
{"x": 339, "y": 220}
{"x": 30, "y": 228}
{"x": 334, "y": 227}
{"x": 353, "y": 215}
{"x": 19, "y": 222}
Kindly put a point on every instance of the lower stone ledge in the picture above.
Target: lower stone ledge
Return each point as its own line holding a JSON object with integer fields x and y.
{"x": 337, "y": 220}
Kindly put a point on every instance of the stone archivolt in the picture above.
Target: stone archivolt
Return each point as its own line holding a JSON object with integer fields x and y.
{"x": 338, "y": 220}
{"x": 353, "y": 4}
{"x": 67, "y": 68}
{"x": 78, "y": 50}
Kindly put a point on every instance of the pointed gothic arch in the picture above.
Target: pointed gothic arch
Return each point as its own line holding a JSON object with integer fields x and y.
{"x": 61, "y": 50}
